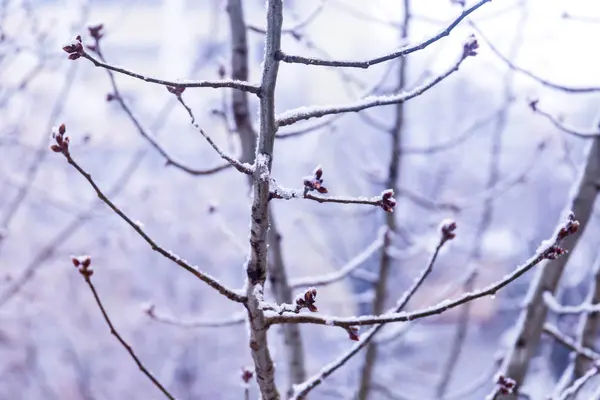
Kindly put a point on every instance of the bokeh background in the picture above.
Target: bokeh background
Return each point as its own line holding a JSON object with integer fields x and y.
{"x": 471, "y": 149}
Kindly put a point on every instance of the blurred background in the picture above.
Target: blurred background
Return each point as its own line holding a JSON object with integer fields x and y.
{"x": 470, "y": 149}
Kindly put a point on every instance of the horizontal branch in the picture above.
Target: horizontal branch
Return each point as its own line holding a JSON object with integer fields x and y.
{"x": 400, "y": 53}
{"x": 223, "y": 83}
{"x": 303, "y": 113}
{"x": 235, "y": 319}
{"x": 549, "y": 250}
{"x": 558, "y": 308}
{"x": 62, "y": 146}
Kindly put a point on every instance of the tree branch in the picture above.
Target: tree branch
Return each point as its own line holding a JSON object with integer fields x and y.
{"x": 244, "y": 86}
{"x": 84, "y": 265}
{"x": 400, "y": 53}
{"x": 301, "y": 391}
{"x": 549, "y": 250}
{"x": 62, "y": 146}
{"x": 236, "y": 319}
{"x": 303, "y": 113}
{"x": 534, "y": 105}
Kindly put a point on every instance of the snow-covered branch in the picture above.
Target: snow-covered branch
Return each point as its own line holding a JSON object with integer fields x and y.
{"x": 571, "y": 344}
{"x": 83, "y": 264}
{"x": 400, "y": 53}
{"x": 550, "y": 249}
{"x": 303, "y": 113}
{"x": 76, "y": 50}
{"x": 61, "y": 146}
{"x": 447, "y": 229}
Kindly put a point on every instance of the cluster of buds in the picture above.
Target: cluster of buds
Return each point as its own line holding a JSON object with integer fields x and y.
{"x": 388, "y": 202}
{"x": 247, "y": 374}
{"x": 506, "y": 385}
{"x": 353, "y": 333}
{"x": 61, "y": 144}
{"x": 568, "y": 229}
{"x": 75, "y": 48}
{"x": 307, "y": 300}
{"x": 83, "y": 263}
{"x": 447, "y": 229}
{"x": 177, "y": 91}
{"x": 315, "y": 181}
{"x": 470, "y": 47}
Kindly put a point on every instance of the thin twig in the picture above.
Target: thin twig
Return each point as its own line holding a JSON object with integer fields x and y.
{"x": 212, "y": 282}
{"x": 549, "y": 249}
{"x": 224, "y": 83}
{"x": 242, "y": 167}
{"x": 303, "y": 113}
{"x": 544, "y": 82}
{"x": 300, "y": 391}
{"x": 400, "y": 53}
{"x": 115, "y": 333}
{"x": 561, "y": 126}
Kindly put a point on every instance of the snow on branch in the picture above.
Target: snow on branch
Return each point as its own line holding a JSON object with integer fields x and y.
{"x": 61, "y": 145}
{"x": 303, "y": 113}
{"x": 83, "y": 264}
{"x": 558, "y": 308}
{"x": 400, "y": 53}
{"x": 347, "y": 269}
{"x": 76, "y": 50}
{"x": 549, "y": 250}
{"x": 447, "y": 233}
{"x": 313, "y": 183}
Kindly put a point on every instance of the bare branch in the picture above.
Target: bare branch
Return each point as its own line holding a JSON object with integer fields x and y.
{"x": 242, "y": 167}
{"x": 534, "y": 105}
{"x": 303, "y": 113}
{"x": 236, "y": 319}
{"x": 400, "y": 53}
{"x": 62, "y": 146}
{"x": 542, "y": 81}
{"x": 549, "y": 250}
{"x": 579, "y": 383}
{"x": 224, "y": 83}
{"x": 83, "y": 264}
{"x": 300, "y": 391}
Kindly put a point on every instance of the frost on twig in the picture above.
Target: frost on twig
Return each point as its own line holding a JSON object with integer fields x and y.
{"x": 303, "y": 113}
{"x": 400, "y": 53}
{"x": 312, "y": 183}
{"x": 76, "y": 50}
{"x": 447, "y": 232}
{"x": 61, "y": 145}
{"x": 83, "y": 265}
{"x": 550, "y": 250}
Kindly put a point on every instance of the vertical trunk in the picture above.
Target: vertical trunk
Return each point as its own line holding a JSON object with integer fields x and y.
{"x": 532, "y": 318}
{"x": 257, "y": 264}
{"x": 282, "y": 292}
{"x": 366, "y": 380}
